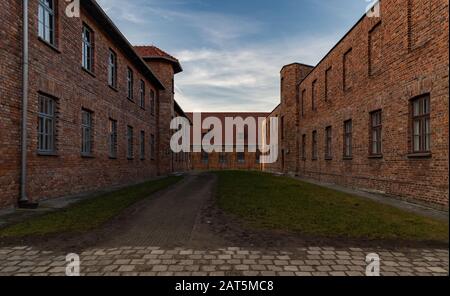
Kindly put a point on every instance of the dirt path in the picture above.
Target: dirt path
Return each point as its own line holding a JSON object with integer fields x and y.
{"x": 166, "y": 219}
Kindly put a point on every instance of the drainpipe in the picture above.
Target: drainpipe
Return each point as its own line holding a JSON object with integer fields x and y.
{"x": 23, "y": 201}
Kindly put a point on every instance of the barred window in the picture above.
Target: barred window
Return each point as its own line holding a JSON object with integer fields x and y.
{"x": 130, "y": 153}
{"x": 328, "y": 142}
{"x": 86, "y": 132}
{"x": 304, "y": 147}
{"x": 205, "y": 157}
{"x": 46, "y": 125}
{"x": 314, "y": 146}
{"x": 130, "y": 83}
{"x": 46, "y": 20}
{"x": 421, "y": 127}
{"x": 87, "y": 50}
{"x": 152, "y": 147}
{"x": 142, "y": 150}
{"x": 112, "y": 138}
{"x": 241, "y": 157}
{"x": 348, "y": 138}
{"x": 222, "y": 158}
{"x": 375, "y": 137}
{"x": 142, "y": 95}
{"x": 152, "y": 102}
{"x": 112, "y": 69}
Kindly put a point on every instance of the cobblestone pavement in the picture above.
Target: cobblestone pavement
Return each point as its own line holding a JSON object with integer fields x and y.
{"x": 154, "y": 261}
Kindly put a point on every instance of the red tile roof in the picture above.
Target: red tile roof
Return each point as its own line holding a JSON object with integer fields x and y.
{"x": 153, "y": 52}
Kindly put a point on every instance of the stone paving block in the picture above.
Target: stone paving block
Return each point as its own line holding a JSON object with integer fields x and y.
{"x": 250, "y": 273}
{"x": 290, "y": 268}
{"x": 337, "y": 273}
{"x": 242, "y": 267}
{"x": 274, "y": 268}
{"x": 303, "y": 273}
{"x": 258, "y": 267}
{"x": 437, "y": 269}
{"x": 208, "y": 268}
{"x": 160, "y": 268}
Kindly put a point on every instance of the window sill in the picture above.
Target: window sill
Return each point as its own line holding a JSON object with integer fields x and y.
{"x": 375, "y": 156}
{"x": 314, "y": 159}
{"x": 130, "y": 99}
{"x": 53, "y": 47}
{"x": 304, "y": 158}
{"x": 328, "y": 158}
{"x": 47, "y": 153}
{"x": 112, "y": 157}
{"x": 88, "y": 71}
{"x": 113, "y": 88}
{"x": 420, "y": 155}
{"x": 348, "y": 158}
{"x": 130, "y": 158}
{"x": 87, "y": 156}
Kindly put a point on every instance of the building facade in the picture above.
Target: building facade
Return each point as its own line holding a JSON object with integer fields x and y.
{"x": 97, "y": 107}
{"x": 373, "y": 114}
{"x": 245, "y": 159}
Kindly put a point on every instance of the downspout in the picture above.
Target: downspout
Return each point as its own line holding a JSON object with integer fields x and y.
{"x": 23, "y": 201}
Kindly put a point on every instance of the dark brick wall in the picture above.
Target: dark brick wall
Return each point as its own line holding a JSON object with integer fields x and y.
{"x": 388, "y": 61}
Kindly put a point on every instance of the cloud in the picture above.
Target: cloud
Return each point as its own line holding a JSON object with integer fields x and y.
{"x": 242, "y": 79}
{"x": 225, "y": 68}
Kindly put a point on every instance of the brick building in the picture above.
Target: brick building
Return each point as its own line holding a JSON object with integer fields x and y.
{"x": 373, "y": 113}
{"x": 246, "y": 160}
{"x": 98, "y": 111}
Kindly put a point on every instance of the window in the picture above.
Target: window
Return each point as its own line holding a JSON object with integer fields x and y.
{"x": 112, "y": 138}
{"x": 241, "y": 157}
{"x": 347, "y": 70}
{"x": 328, "y": 143}
{"x": 152, "y": 147}
{"x": 282, "y": 127}
{"x": 152, "y": 102}
{"x": 421, "y": 127}
{"x": 314, "y": 145}
{"x": 314, "y": 95}
{"x": 112, "y": 69}
{"x": 205, "y": 157}
{"x": 348, "y": 139}
{"x": 142, "y": 142}
{"x": 375, "y": 133}
{"x": 222, "y": 158}
{"x": 46, "y": 125}
{"x": 88, "y": 45}
{"x": 130, "y": 84}
{"x": 304, "y": 147}
{"x": 327, "y": 82}
{"x": 46, "y": 21}
{"x": 303, "y": 101}
{"x": 130, "y": 152}
{"x": 86, "y": 132}
{"x": 142, "y": 94}
{"x": 258, "y": 157}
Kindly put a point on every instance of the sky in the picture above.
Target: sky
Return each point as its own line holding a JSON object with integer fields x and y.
{"x": 232, "y": 51}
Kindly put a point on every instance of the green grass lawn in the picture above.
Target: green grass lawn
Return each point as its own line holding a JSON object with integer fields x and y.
{"x": 267, "y": 201}
{"x": 87, "y": 214}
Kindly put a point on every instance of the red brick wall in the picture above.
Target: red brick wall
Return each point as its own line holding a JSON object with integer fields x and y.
{"x": 58, "y": 73}
{"x": 389, "y": 63}
{"x": 10, "y": 101}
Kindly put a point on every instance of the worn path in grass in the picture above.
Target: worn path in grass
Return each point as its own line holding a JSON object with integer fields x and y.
{"x": 168, "y": 219}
